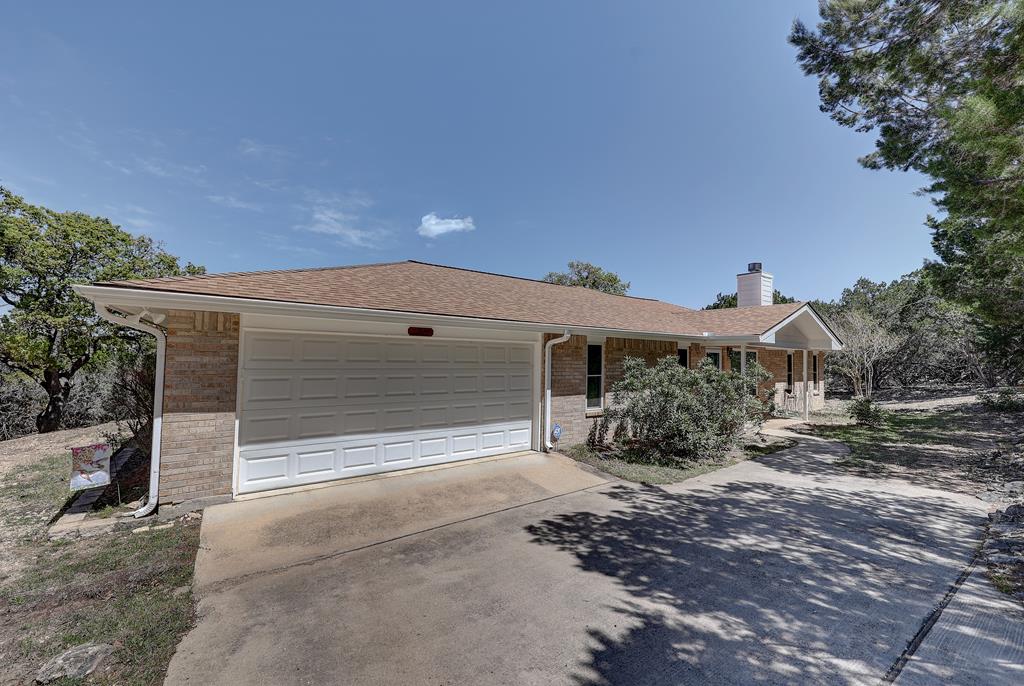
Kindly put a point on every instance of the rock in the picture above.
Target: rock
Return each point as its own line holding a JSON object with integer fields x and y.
{"x": 1014, "y": 486}
{"x": 180, "y": 591}
{"x": 1003, "y": 545}
{"x": 74, "y": 663}
{"x": 1014, "y": 513}
{"x": 991, "y": 496}
{"x": 1003, "y": 559}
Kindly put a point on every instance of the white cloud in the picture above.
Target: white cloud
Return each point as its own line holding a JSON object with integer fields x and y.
{"x": 340, "y": 216}
{"x": 234, "y": 203}
{"x": 257, "y": 149}
{"x": 166, "y": 169}
{"x": 433, "y": 226}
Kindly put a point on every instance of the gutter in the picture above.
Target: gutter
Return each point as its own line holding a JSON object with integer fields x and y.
{"x": 135, "y": 322}
{"x": 153, "y": 299}
{"x": 547, "y": 386}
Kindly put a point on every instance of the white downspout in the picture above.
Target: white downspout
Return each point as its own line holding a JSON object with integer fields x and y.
{"x": 547, "y": 386}
{"x": 135, "y": 322}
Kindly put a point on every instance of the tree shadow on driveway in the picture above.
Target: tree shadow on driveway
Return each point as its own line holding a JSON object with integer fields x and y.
{"x": 757, "y": 582}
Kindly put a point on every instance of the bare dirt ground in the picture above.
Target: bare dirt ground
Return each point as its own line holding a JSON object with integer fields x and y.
{"x": 951, "y": 442}
{"x": 954, "y": 443}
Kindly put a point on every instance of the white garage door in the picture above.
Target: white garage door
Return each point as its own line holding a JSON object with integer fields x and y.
{"x": 317, "y": 407}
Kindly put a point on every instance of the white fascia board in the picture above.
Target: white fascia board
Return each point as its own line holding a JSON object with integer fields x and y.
{"x": 769, "y": 335}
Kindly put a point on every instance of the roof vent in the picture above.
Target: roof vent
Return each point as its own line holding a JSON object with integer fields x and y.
{"x": 755, "y": 287}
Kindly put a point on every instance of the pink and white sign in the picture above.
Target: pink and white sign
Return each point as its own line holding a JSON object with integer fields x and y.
{"x": 90, "y": 466}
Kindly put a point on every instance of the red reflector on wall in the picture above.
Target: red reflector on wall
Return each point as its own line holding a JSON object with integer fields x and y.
{"x": 420, "y": 331}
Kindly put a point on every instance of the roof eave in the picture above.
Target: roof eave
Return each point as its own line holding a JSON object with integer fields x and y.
{"x": 114, "y": 296}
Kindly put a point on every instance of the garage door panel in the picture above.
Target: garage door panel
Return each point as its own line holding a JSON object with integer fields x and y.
{"x": 263, "y": 428}
{"x": 319, "y": 387}
{"x": 320, "y": 351}
{"x": 320, "y": 425}
{"x": 312, "y": 462}
{"x": 263, "y": 349}
{"x": 318, "y": 407}
{"x": 274, "y": 424}
{"x": 401, "y": 352}
{"x": 519, "y": 439}
{"x": 399, "y": 451}
{"x": 435, "y": 353}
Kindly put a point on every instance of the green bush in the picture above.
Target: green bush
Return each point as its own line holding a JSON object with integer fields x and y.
{"x": 1003, "y": 400}
{"x": 671, "y": 412}
{"x": 864, "y": 410}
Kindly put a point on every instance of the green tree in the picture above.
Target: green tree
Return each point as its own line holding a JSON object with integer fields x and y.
{"x": 589, "y": 276}
{"x": 48, "y": 333}
{"x": 724, "y": 301}
{"x": 941, "y": 83}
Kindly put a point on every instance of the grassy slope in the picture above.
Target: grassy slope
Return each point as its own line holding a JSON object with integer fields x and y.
{"x": 129, "y": 590}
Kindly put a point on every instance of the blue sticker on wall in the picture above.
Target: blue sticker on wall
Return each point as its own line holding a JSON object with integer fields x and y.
{"x": 556, "y": 432}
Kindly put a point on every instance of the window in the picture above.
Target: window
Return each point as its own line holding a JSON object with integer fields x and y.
{"x": 734, "y": 359}
{"x": 814, "y": 363}
{"x": 684, "y": 357}
{"x": 715, "y": 355}
{"x": 789, "y": 372}
{"x": 594, "y": 381}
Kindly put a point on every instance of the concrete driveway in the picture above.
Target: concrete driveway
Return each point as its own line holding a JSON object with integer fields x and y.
{"x": 530, "y": 570}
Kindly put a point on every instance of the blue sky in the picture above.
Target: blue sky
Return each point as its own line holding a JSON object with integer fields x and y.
{"x": 671, "y": 142}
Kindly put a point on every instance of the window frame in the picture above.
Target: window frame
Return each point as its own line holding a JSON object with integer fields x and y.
{"x": 789, "y": 371}
{"x": 717, "y": 351}
{"x": 680, "y": 352}
{"x": 600, "y": 376}
{"x": 740, "y": 353}
{"x": 814, "y": 364}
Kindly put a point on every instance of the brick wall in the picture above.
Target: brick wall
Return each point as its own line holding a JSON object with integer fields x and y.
{"x": 200, "y": 382}
{"x": 774, "y": 360}
{"x": 568, "y": 388}
{"x": 569, "y": 378}
{"x": 618, "y": 349}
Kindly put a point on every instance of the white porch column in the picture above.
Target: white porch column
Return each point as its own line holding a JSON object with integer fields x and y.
{"x": 807, "y": 393}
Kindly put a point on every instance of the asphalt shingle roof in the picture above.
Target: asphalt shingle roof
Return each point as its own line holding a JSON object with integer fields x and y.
{"x": 434, "y": 289}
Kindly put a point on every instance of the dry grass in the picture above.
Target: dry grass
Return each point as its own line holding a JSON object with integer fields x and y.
{"x": 129, "y": 590}
{"x": 625, "y": 466}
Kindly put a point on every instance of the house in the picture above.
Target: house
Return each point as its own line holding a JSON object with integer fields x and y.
{"x": 277, "y": 379}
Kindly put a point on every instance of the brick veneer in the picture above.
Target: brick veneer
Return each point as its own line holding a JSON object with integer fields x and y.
{"x": 569, "y": 376}
{"x": 197, "y": 446}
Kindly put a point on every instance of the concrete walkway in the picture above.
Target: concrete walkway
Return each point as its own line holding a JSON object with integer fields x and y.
{"x": 979, "y": 639}
{"x": 533, "y": 571}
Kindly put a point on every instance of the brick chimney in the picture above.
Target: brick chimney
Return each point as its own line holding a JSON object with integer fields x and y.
{"x": 755, "y": 287}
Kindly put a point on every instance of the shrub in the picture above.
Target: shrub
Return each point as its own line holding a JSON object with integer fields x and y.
{"x": 130, "y": 400}
{"x": 673, "y": 412}
{"x": 1003, "y": 400}
{"x": 864, "y": 410}
{"x": 20, "y": 401}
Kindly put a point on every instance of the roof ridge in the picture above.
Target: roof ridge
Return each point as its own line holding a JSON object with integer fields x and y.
{"x": 546, "y": 283}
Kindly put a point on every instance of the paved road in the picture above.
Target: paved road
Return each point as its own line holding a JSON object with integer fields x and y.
{"x": 531, "y": 571}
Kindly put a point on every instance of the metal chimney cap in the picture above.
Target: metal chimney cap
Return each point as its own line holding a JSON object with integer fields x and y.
{"x": 754, "y": 267}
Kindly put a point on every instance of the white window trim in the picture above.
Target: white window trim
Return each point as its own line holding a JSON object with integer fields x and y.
{"x": 790, "y": 371}
{"x": 600, "y": 397}
{"x": 815, "y": 371}
{"x": 715, "y": 350}
{"x": 683, "y": 349}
